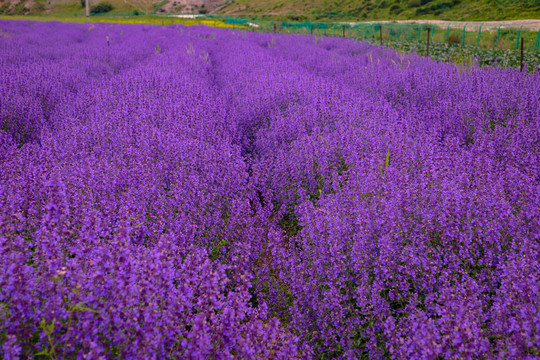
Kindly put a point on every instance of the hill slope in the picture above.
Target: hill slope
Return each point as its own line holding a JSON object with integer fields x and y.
{"x": 70, "y": 7}
{"x": 333, "y": 10}
{"x": 458, "y": 10}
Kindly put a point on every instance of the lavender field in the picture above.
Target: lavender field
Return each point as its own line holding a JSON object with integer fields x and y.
{"x": 173, "y": 192}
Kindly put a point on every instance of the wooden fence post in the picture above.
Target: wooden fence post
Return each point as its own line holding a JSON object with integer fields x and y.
{"x": 427, "y": 48}
{"x": 521, "y": 62}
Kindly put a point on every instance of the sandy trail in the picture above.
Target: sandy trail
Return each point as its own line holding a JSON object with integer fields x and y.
{"x": 530, "y": 24}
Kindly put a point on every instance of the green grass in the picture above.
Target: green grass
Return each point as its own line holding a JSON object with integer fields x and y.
{"x": 118, "y": 18}
{"x": 74, "y": 11}
{"x": 366, "y": 10}
{"x": 322, "y": 10}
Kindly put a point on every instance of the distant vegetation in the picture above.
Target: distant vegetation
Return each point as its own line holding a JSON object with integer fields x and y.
{"x": 301, "y": 10}
{"x": 102, "y": 7}
{"x": 55, "y": 8}
{"x": 457, "y": 10}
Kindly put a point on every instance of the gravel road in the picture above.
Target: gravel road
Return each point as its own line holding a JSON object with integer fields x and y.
{"x": 531, "y": 24}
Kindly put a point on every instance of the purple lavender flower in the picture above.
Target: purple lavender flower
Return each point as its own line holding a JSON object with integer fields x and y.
{"x": 191, "y": 192}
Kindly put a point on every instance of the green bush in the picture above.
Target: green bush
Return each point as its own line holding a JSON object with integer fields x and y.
{"x": 296, "y": 17}
{"x": 20, "y": 8}
{"x": 395, "y": 8}
{"x": 428, "y": 9}
{"x": 454, "y": 39}
{"x": 4, "y": 9}
{"x": 38, "y": 8}
{"x": 101, "y": 7}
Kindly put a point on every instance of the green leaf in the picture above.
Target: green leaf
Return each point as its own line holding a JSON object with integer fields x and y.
{"x": 78, "y": 305}
{"x": 50, "y": 327}
{"x": 84, "y": 308}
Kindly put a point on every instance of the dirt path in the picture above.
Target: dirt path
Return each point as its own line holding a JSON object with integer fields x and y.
{"x": 531, "y": 25}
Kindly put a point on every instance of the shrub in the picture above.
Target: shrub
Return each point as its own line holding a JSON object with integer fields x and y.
{"x": 38, "y": 8}
{"x": 395, "y": 8}
{"x": 20, "y": 8}
{"x": 4, "y": 9}
{"x": 297, "y": 17}
{"x": 429, "y": 9}
{"x": 453, "y": 39}
{"x": 102, "y": 7}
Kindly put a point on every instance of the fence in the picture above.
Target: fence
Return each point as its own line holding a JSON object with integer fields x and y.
{"x": 481, "y": 35}
{"x": 486, "y": 36}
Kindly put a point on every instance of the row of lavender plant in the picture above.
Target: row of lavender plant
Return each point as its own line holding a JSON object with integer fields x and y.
{"x": 175, "y": 192}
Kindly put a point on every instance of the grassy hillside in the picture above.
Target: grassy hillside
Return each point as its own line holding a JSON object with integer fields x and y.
{"x": 457, "y": 10}
{"x": 63, "y": 8}
{"x": 321, "y": 10}
{"x": 55, "y": 8}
